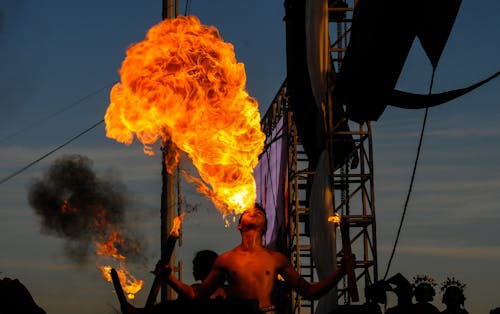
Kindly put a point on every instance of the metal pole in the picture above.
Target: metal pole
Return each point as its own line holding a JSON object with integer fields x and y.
{"x": 167, "y": 216}
{"x": 168, "y": 184}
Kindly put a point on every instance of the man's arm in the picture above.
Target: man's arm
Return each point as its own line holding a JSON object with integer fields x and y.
{"x": 309, "y": 290}
{"x": 214, "y": 280}
{"x": 164, "y": 272}
{"x": 181, "y": 288}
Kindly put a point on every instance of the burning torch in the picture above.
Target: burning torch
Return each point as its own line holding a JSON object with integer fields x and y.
{"x": 170, "y": 246}
{"x": 346, "y": 248}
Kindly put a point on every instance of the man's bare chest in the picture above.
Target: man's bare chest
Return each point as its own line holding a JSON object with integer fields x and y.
{"x": 251, "y": 265}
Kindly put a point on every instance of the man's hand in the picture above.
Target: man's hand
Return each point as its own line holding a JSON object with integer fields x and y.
{"x": 347, "y": 262}
{"x": 348, "y": 266}
{"x": 162, "y": 270}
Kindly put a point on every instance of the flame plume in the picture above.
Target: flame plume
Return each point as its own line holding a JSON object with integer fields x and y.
{"x": 182, "y": 83}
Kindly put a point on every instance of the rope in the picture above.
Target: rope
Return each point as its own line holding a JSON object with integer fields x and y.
{"x": 15, "y": 173}
{"x": 34, "y": 123}
{"x": 411, "y": 181}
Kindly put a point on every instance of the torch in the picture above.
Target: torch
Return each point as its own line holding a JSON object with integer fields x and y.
{"x": 118, "y": 289}
{"x": 346, "y": 248}
{"x": 170, "y": 246}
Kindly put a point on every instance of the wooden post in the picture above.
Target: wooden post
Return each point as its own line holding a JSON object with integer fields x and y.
{"x": 169, "y": 10}
{"x": 167, "y": 216}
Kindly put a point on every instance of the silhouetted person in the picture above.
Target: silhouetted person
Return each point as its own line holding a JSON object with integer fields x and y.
{"x": 251, "y": 269}
{"x": 403, "y": 291}
{"x": 376, "y": 294}
{"x": 495, "y": 311}
{"x": 202, "y": 264}
{"x": 16, "y": 299}
{"x": 424, "y": 294}
{"x": 454, "y": 299}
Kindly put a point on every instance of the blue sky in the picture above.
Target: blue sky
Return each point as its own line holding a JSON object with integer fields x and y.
{"x": 54, "y": 53}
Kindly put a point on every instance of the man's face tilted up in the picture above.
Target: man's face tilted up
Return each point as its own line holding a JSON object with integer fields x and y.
{"x": 254, "y": 218}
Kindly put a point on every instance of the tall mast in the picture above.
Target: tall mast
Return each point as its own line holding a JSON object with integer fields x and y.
{"x": 169, "y": 10}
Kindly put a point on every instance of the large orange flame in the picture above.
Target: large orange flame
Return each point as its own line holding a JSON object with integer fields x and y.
{"x": 182, "y": 83}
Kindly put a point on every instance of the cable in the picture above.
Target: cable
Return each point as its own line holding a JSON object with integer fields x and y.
{"x": 187, "y": 8}
{"x": 15, "y": 173}
{"x": 79, "y": 101}
{"x": 411, "y": 181}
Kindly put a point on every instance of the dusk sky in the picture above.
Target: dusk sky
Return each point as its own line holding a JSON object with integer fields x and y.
{"x": 59, "y": 59}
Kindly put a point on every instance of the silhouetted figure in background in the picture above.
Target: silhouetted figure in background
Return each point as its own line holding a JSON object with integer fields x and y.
{"x": 495, "y": 311}
{"x": 202, "y": 264}
{"x": 376, "y": 294}
{"x": 16, "y": 299}
{"x": 453, "y": 297}
{"x": 424, "y": 294}
{"x": 403, "y": 290}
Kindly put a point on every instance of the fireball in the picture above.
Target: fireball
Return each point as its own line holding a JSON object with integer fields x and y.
{"x": 182, "y": 84}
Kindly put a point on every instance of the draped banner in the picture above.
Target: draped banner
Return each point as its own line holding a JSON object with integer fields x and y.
{"x": 271, "y": 177}
{"x": 317, "y": 48}
{"x": 323, "y": 238}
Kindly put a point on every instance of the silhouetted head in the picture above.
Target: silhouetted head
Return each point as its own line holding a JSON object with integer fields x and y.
{"x": 424, "y": 292}
{"x": 453, "y": 296}
{"x": 258, "y": 209}
{"x": 402, "y": 288}
{"x": 202, "y": 264}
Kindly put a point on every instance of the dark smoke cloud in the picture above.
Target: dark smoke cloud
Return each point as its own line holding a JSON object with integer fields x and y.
{"x": 76, "y": 205}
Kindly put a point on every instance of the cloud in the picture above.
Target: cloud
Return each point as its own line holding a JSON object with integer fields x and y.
{"x": 27, "y": 265}
{"x": 466, "y": 132}
{"x": 483, "y": 253}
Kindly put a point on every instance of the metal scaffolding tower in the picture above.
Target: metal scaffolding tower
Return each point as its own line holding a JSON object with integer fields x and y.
{"x": 354, "y": 195}
{"x": 298, "y": 241}
{"x": 352, "y": 181}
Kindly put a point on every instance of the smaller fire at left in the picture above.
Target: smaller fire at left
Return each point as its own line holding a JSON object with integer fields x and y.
{"x": 129, "y": 283}
{"x": 108, "y": 249}
{"x": 88, "y": 211}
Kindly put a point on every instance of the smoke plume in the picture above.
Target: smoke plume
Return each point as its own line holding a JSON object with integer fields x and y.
{"x": 78, "y": 206}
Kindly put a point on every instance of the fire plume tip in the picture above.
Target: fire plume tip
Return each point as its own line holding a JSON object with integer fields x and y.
{"x": 176, "y": 227}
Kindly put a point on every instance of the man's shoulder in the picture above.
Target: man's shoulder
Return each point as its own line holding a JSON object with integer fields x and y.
{"x": 278, "y": 255}
{"x": 228, "y": 254}
{"x": 280, "y": 259}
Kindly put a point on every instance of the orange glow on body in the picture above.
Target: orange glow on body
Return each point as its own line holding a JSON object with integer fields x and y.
{"x": 183, "y": 84}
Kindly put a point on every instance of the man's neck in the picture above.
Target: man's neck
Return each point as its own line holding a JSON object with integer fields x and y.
{"x": 251, "y": 239}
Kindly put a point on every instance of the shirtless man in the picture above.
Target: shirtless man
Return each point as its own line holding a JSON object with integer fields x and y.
{"x": 251, "y": 269}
